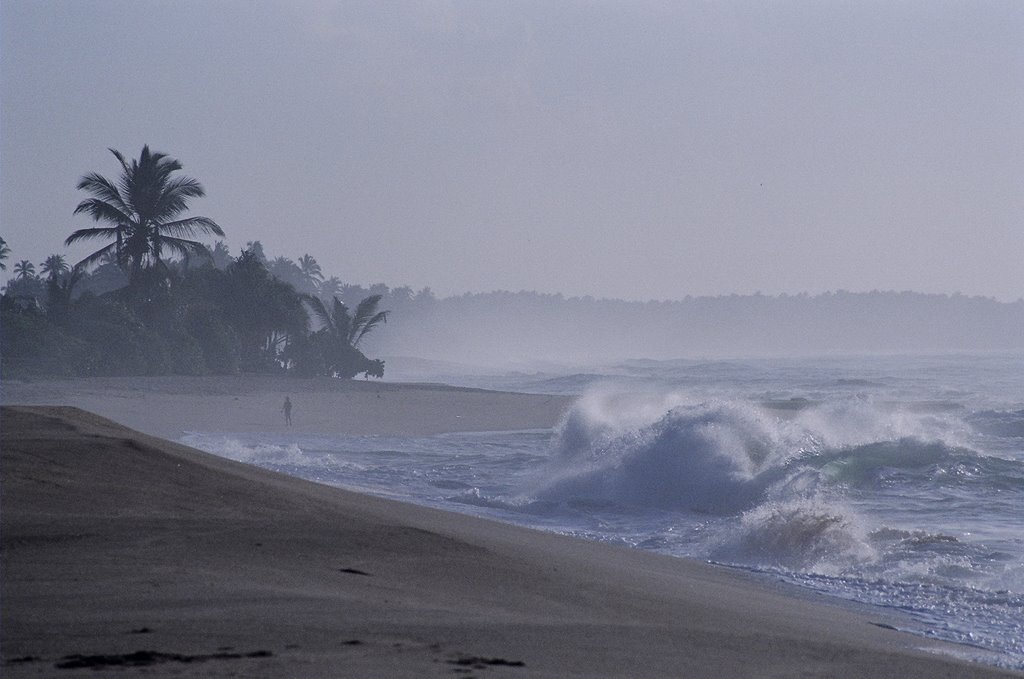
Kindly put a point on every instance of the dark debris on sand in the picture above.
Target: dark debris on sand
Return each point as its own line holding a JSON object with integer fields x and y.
{"x": 483, "y": 663}
{"x": 146, "y": 658}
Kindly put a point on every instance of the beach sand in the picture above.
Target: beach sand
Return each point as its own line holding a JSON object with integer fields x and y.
{"x": 125, "y": 553}
{"x": 170, "y": 406}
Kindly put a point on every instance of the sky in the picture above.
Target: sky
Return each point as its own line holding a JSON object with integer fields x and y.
{"x": 636, "y": 150}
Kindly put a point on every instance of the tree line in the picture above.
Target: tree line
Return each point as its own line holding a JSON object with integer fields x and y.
{"x": 154, "y": 300}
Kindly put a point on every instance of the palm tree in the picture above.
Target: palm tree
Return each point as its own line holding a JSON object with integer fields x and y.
{"x": 25, "y": 270}
{"x": 330, "y": 288}
{"x": 342, "y": 331}
{"x": 4, "y": 253}
{"x": 347, "y": 327}
{"x": 310, "y": 271}
{"x": 221, "y": 255}
{"x": 142, "y": 211}
{"x": 284, "y": 269}
{"x": 54, "y": 267}
{"x": 255, "y": 249}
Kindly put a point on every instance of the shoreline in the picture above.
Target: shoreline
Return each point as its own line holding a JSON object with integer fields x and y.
{"x": 169, "y": 407}
{"x": 124, "y": 550}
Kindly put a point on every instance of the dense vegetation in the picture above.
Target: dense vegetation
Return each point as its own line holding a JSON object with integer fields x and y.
{"x": 153, "y": 300}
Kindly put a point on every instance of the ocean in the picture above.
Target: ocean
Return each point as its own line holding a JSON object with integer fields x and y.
{"x": 895, "y": 482}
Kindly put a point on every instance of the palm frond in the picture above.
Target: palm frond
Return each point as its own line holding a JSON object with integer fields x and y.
{"x": 320, "y": 311}
{"x": 173, "y": 196}
{"x": 103, "y": 211}
{"x": 91, "y": 233}
{"x": 191, "y": 226}
{"x": 370, "y": 324}
{"x": 342, "y": 320}
{"x": 96, "y": 256}
{"x": 120, "y": 158}
{"x": 103, "y": 189}
{"x": 181, "y": 246}
{"x": 365, "y": 310}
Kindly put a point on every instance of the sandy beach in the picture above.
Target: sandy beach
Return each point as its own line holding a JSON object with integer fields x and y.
{"x": 170, "y": 406}
{"x": 122, "y": 552}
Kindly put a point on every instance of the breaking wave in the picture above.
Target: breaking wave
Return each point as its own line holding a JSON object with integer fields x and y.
{"x": 782, "y": 478}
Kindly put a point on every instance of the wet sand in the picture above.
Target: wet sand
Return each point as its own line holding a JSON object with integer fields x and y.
{"x": 170, "y": 406}
{"x": 125, "y": 553}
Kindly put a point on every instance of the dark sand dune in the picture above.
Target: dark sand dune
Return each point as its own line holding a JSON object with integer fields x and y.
{"x": 127, "y": 554}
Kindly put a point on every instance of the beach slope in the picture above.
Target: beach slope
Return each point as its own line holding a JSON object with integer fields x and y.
{"x": 126, "y": 553}
{"x": 169, "y": 406}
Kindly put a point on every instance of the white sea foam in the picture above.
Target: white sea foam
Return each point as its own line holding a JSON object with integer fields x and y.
{"x": 261, "y": 454}
{"x": 778, "y": 473}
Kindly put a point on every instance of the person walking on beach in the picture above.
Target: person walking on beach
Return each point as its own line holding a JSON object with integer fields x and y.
{"x": 287, "y": 408}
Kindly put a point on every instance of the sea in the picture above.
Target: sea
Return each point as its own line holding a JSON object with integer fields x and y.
{"x": 891, "y": 482}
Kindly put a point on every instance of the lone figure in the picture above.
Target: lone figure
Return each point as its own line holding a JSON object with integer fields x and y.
{"x": 287, "y": 408}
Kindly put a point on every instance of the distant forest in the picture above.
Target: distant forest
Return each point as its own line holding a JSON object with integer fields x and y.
{"x": 152, "y": 300}
{"x": 523, "y": 327}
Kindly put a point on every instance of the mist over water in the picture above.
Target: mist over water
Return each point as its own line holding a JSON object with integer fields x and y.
{"x": 896, "y": 482}
{"x": 527, "y": 329}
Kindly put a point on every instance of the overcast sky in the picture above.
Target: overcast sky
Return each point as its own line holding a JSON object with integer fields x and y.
{"x": 616, "y": 149}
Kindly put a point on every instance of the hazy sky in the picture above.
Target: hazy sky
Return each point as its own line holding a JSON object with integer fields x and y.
{"x": 618, "y": 149}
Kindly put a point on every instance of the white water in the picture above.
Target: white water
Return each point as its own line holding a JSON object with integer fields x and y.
{"x": 892, "y": 482}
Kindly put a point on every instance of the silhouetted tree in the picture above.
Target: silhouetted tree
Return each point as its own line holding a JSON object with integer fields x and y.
{"x": 220, "y": 255}
{"x": 265, "y": 312}
{"x": 142, "y": 211}
{"x": 255, "y": 249}
{"x": 338, "y": 339}
{"x": 24, "y": 270}
{"x": 311, "y": 272}
{"x": 4, "y": 254}
{"x": 54, "y": 267}
{"x": 330, "y": 288}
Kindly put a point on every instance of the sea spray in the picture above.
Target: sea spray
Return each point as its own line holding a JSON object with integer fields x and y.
{"x": 779, "y": 476}
{"x": 716, "y": 458}
{"x": 807, "y": 534}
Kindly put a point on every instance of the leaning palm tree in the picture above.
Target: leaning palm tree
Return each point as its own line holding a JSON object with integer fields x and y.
{"x": 142, "y": 213}
{"x": 342, "y": 331}
{"x": 4, "y": 254}
{"x": 54, "y": 267}
{"x": 365, "y": 319}
{"x": 345, "y": 326}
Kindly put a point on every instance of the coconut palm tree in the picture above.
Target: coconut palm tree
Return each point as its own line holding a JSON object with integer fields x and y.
{"x": 284, "y": 269}
{"x": 330, "y": 288}
{"x": 311, "y": 272}
{"x": 142, "y": 213}
{"x": 345, "y": 326}
{"x": 54, "y": 267}
{"x": 24, "y": 270}
{"x": 4, "y": 253}
{"x": 342, "y": 331}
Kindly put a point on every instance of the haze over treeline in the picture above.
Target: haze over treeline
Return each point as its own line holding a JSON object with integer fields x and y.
{"x": 505, "y": 327}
